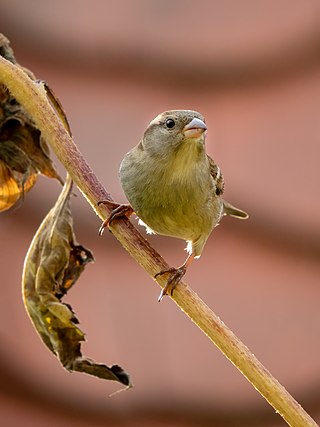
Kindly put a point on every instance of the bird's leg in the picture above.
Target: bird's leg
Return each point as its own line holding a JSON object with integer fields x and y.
{"x": 117, "y": 212}
{"x": 175, "y": 276}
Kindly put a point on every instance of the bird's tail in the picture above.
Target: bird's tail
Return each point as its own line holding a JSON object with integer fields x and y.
{"x": 228, "y": 209}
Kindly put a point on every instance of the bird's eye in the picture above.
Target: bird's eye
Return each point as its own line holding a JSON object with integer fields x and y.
{"x": 170, "y": 123}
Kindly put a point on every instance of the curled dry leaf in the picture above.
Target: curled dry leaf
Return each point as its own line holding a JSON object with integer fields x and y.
{"x": 23, "y": 152}
{"x": 53, "y": 264}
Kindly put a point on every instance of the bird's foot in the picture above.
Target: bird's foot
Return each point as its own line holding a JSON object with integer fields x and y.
{"x": 176, "y": 275}
{"x": 118, "y": 211}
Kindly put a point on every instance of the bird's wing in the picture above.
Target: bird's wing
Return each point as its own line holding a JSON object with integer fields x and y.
{"x": 228, "y": 208}
{"x": 217, "y": 176}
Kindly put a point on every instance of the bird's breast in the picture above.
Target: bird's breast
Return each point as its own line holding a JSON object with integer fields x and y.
{"x": 171, "y": 199}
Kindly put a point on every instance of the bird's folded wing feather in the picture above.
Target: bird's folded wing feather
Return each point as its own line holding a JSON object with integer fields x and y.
{"x": 217, "y": 176}
{"x": 228, "y": 208}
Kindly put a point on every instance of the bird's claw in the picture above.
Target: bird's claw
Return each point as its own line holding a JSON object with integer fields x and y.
{"x": 175, "y": 277}
{"x": 118, "y": 211}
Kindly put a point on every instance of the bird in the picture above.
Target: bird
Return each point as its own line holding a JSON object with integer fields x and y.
{"x": 173, "y": 186}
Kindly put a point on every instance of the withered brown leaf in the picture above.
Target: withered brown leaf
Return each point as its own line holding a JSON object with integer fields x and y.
{"x": 53, "y": 264}
{"x": 23, "y": 152}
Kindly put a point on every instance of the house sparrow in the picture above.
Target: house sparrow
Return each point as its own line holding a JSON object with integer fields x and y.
{"x": 173, "y": 186}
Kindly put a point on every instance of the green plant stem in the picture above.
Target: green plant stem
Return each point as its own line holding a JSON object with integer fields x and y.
{"x": 32, "y": 97}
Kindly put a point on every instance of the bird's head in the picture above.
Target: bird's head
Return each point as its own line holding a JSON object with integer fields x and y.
{"x": 175, "y": 131}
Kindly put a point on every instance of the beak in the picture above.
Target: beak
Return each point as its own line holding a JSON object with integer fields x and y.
{"x": 194, "y": 129}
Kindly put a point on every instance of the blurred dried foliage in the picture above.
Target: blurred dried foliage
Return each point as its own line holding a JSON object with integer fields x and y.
{"x": 54, "y": 261}
{"x": 53, "y": 264}
{"x": 23, "y": 152}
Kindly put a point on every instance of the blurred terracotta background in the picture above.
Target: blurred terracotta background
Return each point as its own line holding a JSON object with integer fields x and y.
{"x": 253, "y": 69}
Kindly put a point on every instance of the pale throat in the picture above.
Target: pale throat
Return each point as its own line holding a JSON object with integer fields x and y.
{"x": 186, "y": 159}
